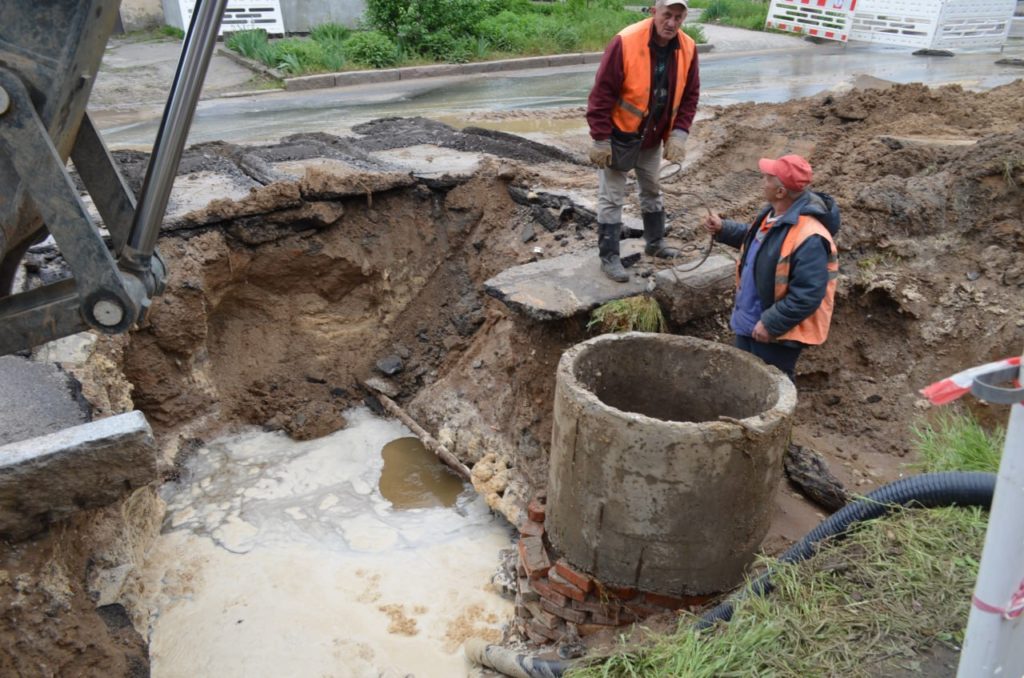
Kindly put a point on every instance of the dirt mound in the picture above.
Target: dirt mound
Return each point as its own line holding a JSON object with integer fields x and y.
{"x": 931, "y": 185}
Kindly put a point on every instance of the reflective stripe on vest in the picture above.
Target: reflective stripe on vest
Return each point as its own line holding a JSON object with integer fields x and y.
{"x": 814, "y": 328}
{"x": 631, "y": 108}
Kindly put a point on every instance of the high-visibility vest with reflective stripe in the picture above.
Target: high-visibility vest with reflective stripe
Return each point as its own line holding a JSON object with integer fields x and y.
{"x": 814, "y": 328}
{"x": 631, "y": 109}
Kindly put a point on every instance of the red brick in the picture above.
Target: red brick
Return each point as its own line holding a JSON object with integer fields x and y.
{"x": 526, "y": 594}
{"x": 531, "y": 528}
{"x": 550, "y": 634}
{"x": 537, "y": 638}
{"x": 564, "y": 587}
{"x": 674, "y": 602}
{"x": 580, "y": 580}
{"x": 536, "y": 511}
{"x": 542, "y": 614}
{"x": 534, "y": 557}
{"x": 543, "y": 587}
{"x": 522, "y": 612}
{"x": 566, "y": 613}
{"x": 596, "y": 606}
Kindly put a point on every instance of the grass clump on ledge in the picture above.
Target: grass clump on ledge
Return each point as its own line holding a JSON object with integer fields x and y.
{"x": 632, "y": 314}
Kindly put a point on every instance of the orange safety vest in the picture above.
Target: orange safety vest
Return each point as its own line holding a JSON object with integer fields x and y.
{"x": 813, "y": 329}
{"x": 631, "y": 108}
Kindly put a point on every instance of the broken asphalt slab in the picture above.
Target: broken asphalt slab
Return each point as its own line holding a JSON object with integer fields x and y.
{"x": 571, "y": 284}
{"x": 50, "y": 477}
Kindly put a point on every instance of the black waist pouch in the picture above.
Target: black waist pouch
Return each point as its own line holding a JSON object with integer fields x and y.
{"x": 625, "y": 150}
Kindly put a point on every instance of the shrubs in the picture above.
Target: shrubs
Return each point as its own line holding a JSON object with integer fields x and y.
{"x": 453, "y": 31}
{"x": 371, "y": 49}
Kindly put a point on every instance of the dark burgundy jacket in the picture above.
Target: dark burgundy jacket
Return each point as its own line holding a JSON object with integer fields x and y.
{"x": 608, "y": 85}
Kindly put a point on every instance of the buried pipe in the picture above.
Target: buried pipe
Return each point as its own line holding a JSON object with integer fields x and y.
{"x": 929, "y": 490}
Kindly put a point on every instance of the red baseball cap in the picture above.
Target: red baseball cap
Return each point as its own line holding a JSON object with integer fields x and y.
{"x": 793, "y": 171}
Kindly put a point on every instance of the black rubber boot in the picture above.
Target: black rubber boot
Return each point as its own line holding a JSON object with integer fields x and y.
{"x": 608, "y": 247}
{"x": 654, "y": 236}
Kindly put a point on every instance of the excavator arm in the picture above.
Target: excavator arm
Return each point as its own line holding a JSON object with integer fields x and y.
{"x": 50, "y": 52}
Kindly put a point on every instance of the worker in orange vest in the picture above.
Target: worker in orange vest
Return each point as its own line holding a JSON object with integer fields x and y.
{"x": 645, "y": 95}
{"x": 788, "y": 265}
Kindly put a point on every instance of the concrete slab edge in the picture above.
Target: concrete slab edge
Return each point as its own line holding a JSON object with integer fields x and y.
{"x": 252, "y": 65}
{"x": 119, "y": 426}
{"x": 350, "y": 78}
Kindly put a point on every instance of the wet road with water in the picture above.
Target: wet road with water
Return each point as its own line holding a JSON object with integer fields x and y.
{"x": 727, "y": 78}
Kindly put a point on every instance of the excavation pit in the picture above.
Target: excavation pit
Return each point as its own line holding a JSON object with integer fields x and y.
{"x": 666, "y": 453}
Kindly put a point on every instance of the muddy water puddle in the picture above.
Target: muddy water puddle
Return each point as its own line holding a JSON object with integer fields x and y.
{"x": 280, "y": 558}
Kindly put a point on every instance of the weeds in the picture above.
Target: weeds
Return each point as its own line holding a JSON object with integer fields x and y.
{"x": 171, "y": 32}
{"x": 454, "y": 31}
{"x": 633, "y": 314}
{"x": 749, "y": 14}
{"x": 1010, "y": 167}
{"x": 955, "y": 441}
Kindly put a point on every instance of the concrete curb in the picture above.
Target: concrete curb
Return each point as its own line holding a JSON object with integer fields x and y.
{"x": 251, "y": 64}
{"x": 349, "y": 78}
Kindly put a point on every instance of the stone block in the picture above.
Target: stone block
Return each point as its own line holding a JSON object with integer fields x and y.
{"x": 690, "y": 295}
{"x": 306, "y": 82}
{"x": 48, "y": 478}
{"x": 366, "y": 77}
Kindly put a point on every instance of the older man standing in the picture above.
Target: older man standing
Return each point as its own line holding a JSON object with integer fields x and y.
{"x": 788, "y": 265}
{"x": 645, "y": 93}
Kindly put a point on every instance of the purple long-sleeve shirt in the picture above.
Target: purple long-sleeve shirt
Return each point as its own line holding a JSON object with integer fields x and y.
{"x": 608, "y": 86}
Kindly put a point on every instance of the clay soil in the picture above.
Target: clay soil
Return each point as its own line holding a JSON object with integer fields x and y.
{"x": 282, "y": 301}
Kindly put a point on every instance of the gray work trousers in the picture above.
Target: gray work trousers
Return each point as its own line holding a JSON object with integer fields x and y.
{"x": 611, "y": 192}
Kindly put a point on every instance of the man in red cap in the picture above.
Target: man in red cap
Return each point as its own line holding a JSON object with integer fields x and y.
{"x": 644, "y": 98}
{"x": 788, "y": 265}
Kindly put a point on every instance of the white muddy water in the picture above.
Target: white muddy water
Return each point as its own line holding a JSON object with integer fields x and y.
{"x": 280, "y": 558}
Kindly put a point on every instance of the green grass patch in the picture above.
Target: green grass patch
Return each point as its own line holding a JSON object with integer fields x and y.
{"x": 865, "y": 606}
{"x": 954, "y": 441}
{"x": 749, "y": 14}
{"x": 633, "y": 314}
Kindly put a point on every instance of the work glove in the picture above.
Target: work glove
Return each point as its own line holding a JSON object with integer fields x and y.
{"x": 675, "y": 146}
{"x": 601, "y": 153}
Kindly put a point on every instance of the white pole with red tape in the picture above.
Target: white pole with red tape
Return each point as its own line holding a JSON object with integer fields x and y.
{"x": 994, "y": 641}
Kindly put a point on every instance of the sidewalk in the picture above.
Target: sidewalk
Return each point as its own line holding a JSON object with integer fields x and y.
{"x": 139, "y": 74}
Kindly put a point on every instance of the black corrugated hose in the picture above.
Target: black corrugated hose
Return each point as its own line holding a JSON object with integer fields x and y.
{"x": 929, "y": 490}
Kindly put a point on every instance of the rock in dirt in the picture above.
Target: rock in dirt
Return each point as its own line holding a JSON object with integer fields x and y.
{"x": 686, "y": 295}
{"x": 391, "y": 365}
{"x": 808, "y": 471}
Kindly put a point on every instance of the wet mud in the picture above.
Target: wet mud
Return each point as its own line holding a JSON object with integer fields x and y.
{"x": 298, "y": 268}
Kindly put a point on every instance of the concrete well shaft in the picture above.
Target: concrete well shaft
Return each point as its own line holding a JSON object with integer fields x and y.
{"x": 647, "y": 486}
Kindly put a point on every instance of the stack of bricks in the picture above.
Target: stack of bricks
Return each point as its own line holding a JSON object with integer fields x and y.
{"x": 556, "y": 602}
